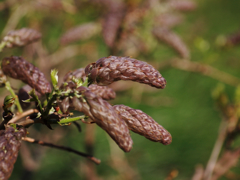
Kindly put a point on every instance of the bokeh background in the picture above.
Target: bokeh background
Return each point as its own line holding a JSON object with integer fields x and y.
{"x": 194, "y": 45}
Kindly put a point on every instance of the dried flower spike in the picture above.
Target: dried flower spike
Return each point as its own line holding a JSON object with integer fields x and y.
{"x": 19, "y": 68}
{"x": 106, "y": 117}
{"x": 100, "y": 112}
{"x": 182, "y": 5}
{"x": 109, "y": 69}
{"x": 173, "y": 40}
{"x": 10, "y": 142}
{"x": 21, "y": 37}
{"x": 141, "y": 123}
{"x": 81, "y": 32}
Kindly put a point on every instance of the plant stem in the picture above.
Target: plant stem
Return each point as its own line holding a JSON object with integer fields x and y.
{"x": 2, "y": 45}
{"x": 26, "y": 113}
{"x": 216, "y": 150}
{"x": 31, "y": 140}
{"x": 68, "y": 120}
{"x": 8, "y": 87}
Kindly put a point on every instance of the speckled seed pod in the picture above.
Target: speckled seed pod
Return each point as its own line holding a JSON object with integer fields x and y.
{"x": 168, "y": 20}
{"x": 81, "y": 32}
{"x": 78, "y": 73}
{"x": 21, "y": 37}
{"x": 173, "y": 40}
{"x": 139, "y": 122}
{"x": 182, "y": 5}
{"x": 10, "y": 142}
{"x": 104, "y": 92}
{"x": 19, "y": 68}
{"x": 109, "y": 69}
{"x": 110, "y": 27}
{"x": 103, "y": 114}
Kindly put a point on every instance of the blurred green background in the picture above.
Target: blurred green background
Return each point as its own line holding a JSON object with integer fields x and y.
{"x": 185, "y": 107}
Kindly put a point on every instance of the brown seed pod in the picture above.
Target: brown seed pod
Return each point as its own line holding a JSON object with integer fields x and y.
{"x": 110, "y": 27}
{"x": 168, "y": 20}
{"x": 103, "y": 114}
{"x": 173, "y": 40}
{"x": 109, "y": 69}
{"x": 139, "y": 122}
{"x": 81, "y": 32}
{"x": 182, "y": 5}
{"x": 104, "y": 92}
{"x": 21, "y": 37}
{"x": 100, "y": 112}
{"x": 19, "y": 68}
{"x": 10, "y": 142}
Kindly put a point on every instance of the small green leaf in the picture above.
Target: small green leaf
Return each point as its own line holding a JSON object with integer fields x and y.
{"x": 52, "y": 110}
{"x": 54, "y": 77}
{"x": 38, "y": 115}
{"x": 13, "y": 125}
{"x": 78, "y": 82}
{"x": 35, "y": 98}
{"x": 8, "y": 102}
{"x": 29, "y": 100}
{"x": 85, "y": 83}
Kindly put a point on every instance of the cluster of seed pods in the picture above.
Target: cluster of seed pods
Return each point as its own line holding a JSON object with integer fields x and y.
{"x": 92, "y": 100}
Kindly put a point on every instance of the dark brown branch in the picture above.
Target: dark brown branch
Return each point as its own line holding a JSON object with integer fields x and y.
{"x": 31, "y": 140}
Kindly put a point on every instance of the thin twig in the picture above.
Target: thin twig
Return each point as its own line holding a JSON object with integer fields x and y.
{"x": 216, "y": 151}
{"x": 202, "y": 69}
{"x": 31, "y": 140}
{"x": 26, "y": 113}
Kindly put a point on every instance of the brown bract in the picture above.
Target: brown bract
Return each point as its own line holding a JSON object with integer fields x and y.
{"x": 109, "y": 69}
{"x": 21, "y": 37}
{"x": 19, "y": 68}
{"x": 10, "y": 142}
{"x": 141, "y": 123}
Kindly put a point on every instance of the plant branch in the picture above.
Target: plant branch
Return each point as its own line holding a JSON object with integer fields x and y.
{"x": 26, "y": 113}
{"x": 2, "y": 45}
{"x": 201, "y": 68}
{"x": 31, "y": 140}
{"x": 69, "y": 120}
{"x": 216, "y": 150}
